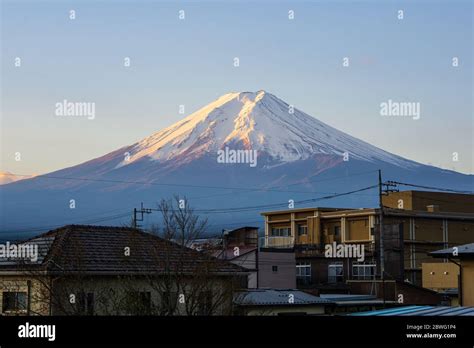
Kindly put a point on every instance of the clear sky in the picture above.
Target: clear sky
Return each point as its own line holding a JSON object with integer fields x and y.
{"x": 190, "y": 62}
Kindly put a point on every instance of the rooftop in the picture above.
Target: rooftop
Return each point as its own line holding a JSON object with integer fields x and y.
{"x": 276, "y": 297}
{"x": 101, "y": 250}
{"x": 463, "y": 251}
{"x": 420, "y": 311}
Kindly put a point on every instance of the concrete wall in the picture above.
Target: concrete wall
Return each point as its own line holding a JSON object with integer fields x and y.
{"x": 419, "y": 200}
{"x": 467, "y": 282}
{"x": 284, "y": 277}
{"x": 440, "y": 276}
{"x": 110, "y": 294}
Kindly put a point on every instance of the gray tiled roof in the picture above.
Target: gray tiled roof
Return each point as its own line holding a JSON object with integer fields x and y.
{"x": 265, "y": 297}
{"x": 43, "y": 244}
{"x": 101, "y": 249}
{"x": 463, "y": 250}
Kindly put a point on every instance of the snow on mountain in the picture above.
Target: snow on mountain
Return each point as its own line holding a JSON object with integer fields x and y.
{"x": 258, "y": 121}
{"x": 7, "y": 177}
{"x": 297, "y": 154}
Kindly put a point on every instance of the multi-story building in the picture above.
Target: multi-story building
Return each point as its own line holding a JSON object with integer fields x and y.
{"x": 414, "y": 224}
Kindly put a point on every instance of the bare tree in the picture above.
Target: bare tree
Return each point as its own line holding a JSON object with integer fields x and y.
{"x": 188, "y": 286}
{"x": 163, "y": 276}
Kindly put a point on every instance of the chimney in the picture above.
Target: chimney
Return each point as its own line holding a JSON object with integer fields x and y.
{"x": 432, "y": 208}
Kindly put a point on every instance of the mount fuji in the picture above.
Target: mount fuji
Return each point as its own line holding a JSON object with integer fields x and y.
{"x": 297, "y": 157}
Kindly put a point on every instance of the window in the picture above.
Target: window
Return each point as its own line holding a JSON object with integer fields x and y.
{"x": 363, "y": 271}
{"x": 275, "y": 269}
{"x": 138, "y": 302}
{"x": 205, "y": 303}
{"x": 14, "y": 301}
{"x": 335, "y": 272}
{"x": 303, "y": 273}
{"x": 302, "y": 230}
{"x": 169, "y": 301}
{"x": 85, "y": 303}
{"x": 280, "y": 232}
{"x": 337, "y": 231}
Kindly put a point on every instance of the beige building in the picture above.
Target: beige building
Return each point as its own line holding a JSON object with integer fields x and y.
{"x": 440, "y": 276}
{"x": 462, "y": 257}
{"x": 414, "y": 222}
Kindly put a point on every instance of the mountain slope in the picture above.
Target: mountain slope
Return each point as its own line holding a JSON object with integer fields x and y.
{"x": 258, "y": 121}
{"x": 299, "y": 155}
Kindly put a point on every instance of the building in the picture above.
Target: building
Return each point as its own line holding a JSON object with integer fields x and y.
{"x": 101, "y": 270}
{"x": 269, "y": 302}
{"x": 415, "y": 223}
{"x": 268, "y": 267}
{"x": 462, "y": 257}
{"x": 442, "y": 277}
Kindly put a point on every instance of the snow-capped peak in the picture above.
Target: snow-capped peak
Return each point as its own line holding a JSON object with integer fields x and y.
{"x": 258, "y": 121}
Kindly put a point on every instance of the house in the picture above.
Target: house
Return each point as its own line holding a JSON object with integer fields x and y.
{"x": 103, "y": 270}
{"x": 270, "y": 302}
{"x": 268, "y": 267}
{"x": 462, "y": 257}
{"x": 414, "y": 224}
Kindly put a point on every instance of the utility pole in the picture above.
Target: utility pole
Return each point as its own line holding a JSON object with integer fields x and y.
{"x": 382, "y": 259}
{"x": 136, "y": 212}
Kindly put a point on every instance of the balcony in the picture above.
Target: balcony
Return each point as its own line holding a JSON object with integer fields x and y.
{"x": 276, "y": 242}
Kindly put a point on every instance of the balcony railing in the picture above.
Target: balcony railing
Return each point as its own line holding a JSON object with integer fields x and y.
{"x": 276, "y": 242}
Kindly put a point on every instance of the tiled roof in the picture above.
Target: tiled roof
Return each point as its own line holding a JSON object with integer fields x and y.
{"x": 420, "y": 311}
{"x": 276, "y": 297}
{"x": 466, "y": 250}
{"x": 102, "y": 250}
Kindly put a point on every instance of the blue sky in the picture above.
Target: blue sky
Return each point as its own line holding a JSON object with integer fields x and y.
{"x": 190, "y": 62}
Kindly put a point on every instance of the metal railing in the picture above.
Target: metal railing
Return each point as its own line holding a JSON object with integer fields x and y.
{"x": 276, "y": 242}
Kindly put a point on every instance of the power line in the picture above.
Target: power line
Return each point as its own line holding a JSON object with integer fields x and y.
{"x": 430, "y": 187}
{"x": 276, "y": 205}
{"x": 202, "y": 211}
{"x": 270, "y": 189}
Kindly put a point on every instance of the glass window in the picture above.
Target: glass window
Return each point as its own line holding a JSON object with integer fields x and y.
{"x": 169, "y": 301}
{"x": 363, "y": 271}
{"x": 85, "y": 303}
{"x": 205, "y": 303}
{"x": 335, "y": 272}
{"x": 280, "y": 232}
{"x": 14, "y": 301}
{"x": 138, "y": 302}
{"x": 303, "y": 273}
{"x": 302, "y": 230}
